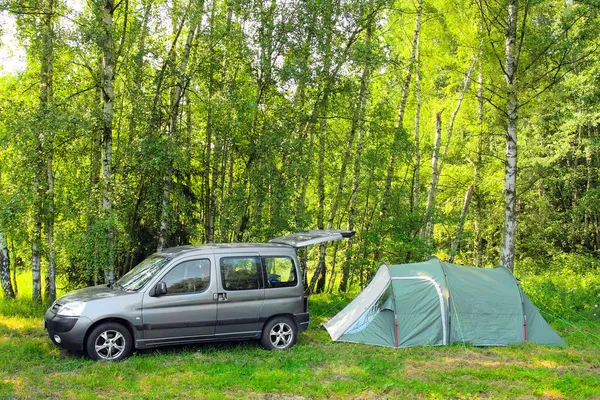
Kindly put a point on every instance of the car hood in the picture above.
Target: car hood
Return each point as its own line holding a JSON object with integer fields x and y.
{"x": 92, "y": 293}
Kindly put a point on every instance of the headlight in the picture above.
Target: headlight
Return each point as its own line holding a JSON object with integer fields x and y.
{"x": 73, "y": 309}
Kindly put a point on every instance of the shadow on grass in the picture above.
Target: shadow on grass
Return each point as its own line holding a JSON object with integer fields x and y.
{"x": 205, "y": 347}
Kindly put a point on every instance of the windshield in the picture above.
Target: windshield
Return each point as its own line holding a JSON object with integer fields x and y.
{"x": 142, "y": 273}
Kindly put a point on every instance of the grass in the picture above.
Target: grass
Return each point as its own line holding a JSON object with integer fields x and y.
{"x": 31, "y": 367}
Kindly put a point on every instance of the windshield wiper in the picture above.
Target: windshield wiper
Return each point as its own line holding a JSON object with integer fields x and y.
{"x": 117, "y": 284}
{"x": 125, "y": 289}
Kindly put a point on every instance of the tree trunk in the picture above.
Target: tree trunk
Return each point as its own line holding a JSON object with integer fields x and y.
{"x": 138, "y": 62}
{"x": 358, "y": 124}
{"x": 209, "y": 196}
{"x": 437, "y": 160}
{"x": 51, "y": 278}
{"x": 461, "y": 96}
{"x": 507, "y": 253}
{"x": 14, "y": 268}
{"x": 417, "y": 168}
{"x": 107, "y": 92}
{"x": 427, "y": 233}
{"x": 333, "y": 270}
{"x": 7, "y": 288}
{"x": 321, "y": 271}
{"x": 47, "y": 80}
{"x": 36, "y": 242}
{"x": 478, "y": 197}
{"x": 461, "y": 224}
{"x": 176, "y": 97}
{"x": 321, "y": 112}
{"x": 399, "y": 129}
{"x": 43, "y": 139}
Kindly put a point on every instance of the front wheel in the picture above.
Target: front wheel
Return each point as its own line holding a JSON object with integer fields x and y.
{"x": 109, "y": 342}
{"x": 279, "y": 334}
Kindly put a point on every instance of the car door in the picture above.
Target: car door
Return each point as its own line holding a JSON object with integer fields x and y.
{"x": 241, "y": 294}
{"x": 188, "y": 310}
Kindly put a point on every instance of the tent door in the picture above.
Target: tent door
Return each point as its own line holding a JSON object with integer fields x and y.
{"x": 306, "y": 238}
{"x": 420, "y": 311}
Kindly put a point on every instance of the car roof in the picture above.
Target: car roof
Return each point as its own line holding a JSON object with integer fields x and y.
{"x": 172, "y": 251}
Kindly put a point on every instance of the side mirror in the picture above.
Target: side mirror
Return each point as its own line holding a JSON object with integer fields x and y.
{"x": 159, "y": 290}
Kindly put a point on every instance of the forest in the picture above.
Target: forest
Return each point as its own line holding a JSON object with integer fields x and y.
{"x": 462, "y": 129}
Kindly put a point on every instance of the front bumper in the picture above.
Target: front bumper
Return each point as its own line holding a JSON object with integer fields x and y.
{"x": 71, "y": 330}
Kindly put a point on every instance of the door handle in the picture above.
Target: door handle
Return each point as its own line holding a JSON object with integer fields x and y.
{"x": 220, "y": 296}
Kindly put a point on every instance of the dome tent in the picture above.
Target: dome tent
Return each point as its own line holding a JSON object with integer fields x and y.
{"x": 437, "y": 303}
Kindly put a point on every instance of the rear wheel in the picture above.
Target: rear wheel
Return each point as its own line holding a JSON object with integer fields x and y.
{"x": 279, "y": 334}
{"x": 110, "y": 341}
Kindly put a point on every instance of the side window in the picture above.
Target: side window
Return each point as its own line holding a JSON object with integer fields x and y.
{"x": 241, "y": 273}
{"x": 280, "y": 272}
{"x": 188, "y": 277}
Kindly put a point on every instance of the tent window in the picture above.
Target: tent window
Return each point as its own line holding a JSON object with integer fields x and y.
{"x": 365, "y": 319}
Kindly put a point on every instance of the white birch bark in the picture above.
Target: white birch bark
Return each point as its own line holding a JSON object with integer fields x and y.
{"x": 7, "y": 288}
{"x": 43, "y": 137}
{"x": 5, "y": 278}
{"x": 427, "y": 233}
{"x": 51, "y": 278}
{"x": 417, "y": 168}
{"x": 47, "y": 80}
{"x": 507, "y": 253}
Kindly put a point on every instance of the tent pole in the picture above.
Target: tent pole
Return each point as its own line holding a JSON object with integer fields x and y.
{"x": 396, "y": 318}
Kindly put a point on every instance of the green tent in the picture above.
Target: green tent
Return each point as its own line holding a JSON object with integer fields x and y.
{"x": 437, "y": 303}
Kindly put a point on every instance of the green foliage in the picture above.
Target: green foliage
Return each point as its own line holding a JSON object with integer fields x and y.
{"x": 567, "y": 289}
{"x": 241, "y": 148}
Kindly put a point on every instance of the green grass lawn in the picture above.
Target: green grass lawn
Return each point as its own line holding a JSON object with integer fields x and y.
{"x": 32, "y": 367}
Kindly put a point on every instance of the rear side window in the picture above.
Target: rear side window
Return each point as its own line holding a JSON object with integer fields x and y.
{"x": 279, "y": 272}
{"x": 241, "y": 273}
{"x": 188, "y": 277}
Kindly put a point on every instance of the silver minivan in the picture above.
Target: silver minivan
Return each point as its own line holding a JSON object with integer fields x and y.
{"x": 192, "y": 294}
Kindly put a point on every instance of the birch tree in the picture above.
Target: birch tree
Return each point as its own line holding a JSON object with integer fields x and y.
{"x": 7, "y": 288}
{"x": 507, "y": 253}
{"x": 399, "y": 128}
{"x": 107, "y": 95}
{"x": 176, "y": 98}
{"x": 358, "y": 125}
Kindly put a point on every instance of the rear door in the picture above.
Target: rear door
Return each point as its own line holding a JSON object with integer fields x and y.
{"x": 241, "y": 294}
{"x": 307, "y": 238}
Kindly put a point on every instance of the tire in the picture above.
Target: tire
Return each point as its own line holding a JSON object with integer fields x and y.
{"x": 279, "y": 334}
{"x": 109, "y": 341}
